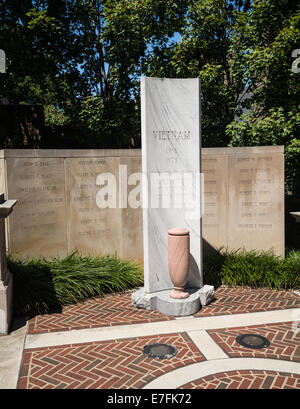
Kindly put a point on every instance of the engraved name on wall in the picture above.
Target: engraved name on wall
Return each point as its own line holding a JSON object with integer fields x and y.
{"x": 90, "y": 229}
{"x": 37, "y": 227}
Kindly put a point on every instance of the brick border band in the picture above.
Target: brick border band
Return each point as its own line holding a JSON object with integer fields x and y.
{"x": 181, "y": 376}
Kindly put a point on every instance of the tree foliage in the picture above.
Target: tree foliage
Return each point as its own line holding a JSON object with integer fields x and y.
{"x": 241, "y": 50}
{"x": 75, "y": 55}
{"x": 82, "y": 60}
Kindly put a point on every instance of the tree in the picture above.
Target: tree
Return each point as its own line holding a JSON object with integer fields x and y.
{"x": 211, "y": 48}
{"x": 241, "y": 50}
{"x": 123, "y": 33}
{"x": 75, "y": 55}
{"x": 82, "y": 60}
{"x": 273, "y": 32}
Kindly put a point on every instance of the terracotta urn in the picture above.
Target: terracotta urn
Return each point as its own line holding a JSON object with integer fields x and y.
{"x": 178, "y": 260}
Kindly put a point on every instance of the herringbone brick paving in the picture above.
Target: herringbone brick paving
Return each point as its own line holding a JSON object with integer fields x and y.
{"x": 121, "y": 363}
{"x": 246, "y": 379}
{"x": 96, "y": 312}
{"x": 117, "y": 309}
{"x": 284, "y": 342}
{"x": 239, "y": 300}
{"x": 103, "y": 365}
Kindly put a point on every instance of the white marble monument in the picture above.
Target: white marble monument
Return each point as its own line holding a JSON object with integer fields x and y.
{"x": 171, "y": 144}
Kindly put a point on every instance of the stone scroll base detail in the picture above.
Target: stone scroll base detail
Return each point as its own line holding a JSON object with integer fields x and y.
{"x": 206, "y": 294}
{"x": 162, "y": 301}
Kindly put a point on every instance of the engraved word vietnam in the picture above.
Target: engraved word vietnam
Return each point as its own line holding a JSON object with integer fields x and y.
{"x": 171, "y": 134}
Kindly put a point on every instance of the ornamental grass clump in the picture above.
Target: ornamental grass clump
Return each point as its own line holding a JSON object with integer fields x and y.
{"x": 45, "y": 285}
{"x": 260, "y": 269}
{"x": 290, "y": 271}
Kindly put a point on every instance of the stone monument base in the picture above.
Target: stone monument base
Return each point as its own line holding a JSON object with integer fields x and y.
{"x": 162, "y": 301}
{"x": 5, "y": 303}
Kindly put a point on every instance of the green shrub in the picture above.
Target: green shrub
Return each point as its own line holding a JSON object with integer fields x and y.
{"x": 254, "y": 269}
{"x": 277, "y": 127}
{"x": 45, "y": 285}
{"x": 292, "y": 169}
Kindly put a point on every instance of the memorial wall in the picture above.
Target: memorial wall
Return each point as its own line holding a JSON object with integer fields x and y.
{"x": 57, "y": 210}
{"x": 244, "y": 198}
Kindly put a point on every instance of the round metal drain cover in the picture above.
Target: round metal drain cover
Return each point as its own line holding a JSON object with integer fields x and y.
{"x": 252, "y": 341}
{"x": 161, "y": 351}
